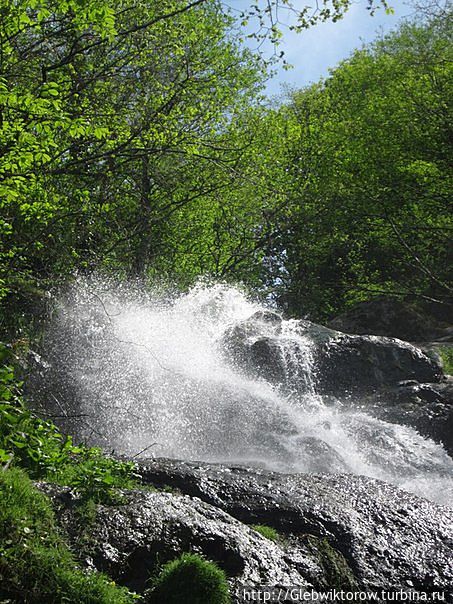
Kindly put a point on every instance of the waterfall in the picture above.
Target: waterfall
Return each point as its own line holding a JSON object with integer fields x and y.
{"x": 148, "y": 374}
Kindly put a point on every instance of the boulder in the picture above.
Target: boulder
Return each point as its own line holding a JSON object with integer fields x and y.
{"x": 415, "y": 321}
{"x": 312, "y": 356}
{"x": 363, "y": 364}
{"x": 335, "y": 531}
{"x": 130, "y": 541}
{"x": 389, "y": 538}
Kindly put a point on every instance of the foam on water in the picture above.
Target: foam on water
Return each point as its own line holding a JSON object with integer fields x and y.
{"x": 148, "y": 373}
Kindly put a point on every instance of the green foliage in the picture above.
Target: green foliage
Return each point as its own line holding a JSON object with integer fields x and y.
{"x": 36, "y": 566}
{"x": 368, "y": 205}
{"x": 37, "y": 446}
{"x": 192, "y": 580}
{"x": 137, "y": 121}
{"x": 267, "y": 531}
{"x": 110, "y": 141}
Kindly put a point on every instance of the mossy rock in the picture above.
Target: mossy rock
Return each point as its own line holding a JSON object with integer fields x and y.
{"x": 336, "y": 571}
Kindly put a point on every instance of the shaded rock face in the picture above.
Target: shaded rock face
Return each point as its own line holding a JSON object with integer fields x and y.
{"x": 352, "y": 364}
{"x": 337, "y": 531}
{"x": 413, "y": 321}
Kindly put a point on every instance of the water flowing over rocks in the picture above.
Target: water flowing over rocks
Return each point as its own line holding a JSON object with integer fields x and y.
{"x": 212, "y": 375}
{"x": 426, "y": 407}
{"x": 336, "y": 531}
{"x": 321, "y": 435}
{"x": 343, "y": 364}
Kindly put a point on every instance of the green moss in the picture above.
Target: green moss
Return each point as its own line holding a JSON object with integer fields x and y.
{"x": 336, "y": 571}
{"x": 446, "y": 355}
{"x": 36, "y": 565}
{"x": 267, "y": 531}
{"x": 192, "y": 580}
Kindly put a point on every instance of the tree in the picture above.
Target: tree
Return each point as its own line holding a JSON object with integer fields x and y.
{"x": 369, "y": 209}
{"x": 115, "y": 117}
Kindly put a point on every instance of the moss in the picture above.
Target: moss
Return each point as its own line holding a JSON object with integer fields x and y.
{"x": 192, "y": 580}
{"x": 36, "y": 565}
{"x": 266, "y": 531}
{"x": 336, "y": 572}
{"x": 446, "y": 355}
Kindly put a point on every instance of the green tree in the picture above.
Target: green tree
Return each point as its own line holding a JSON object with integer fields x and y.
{"x": 368, "y": 212}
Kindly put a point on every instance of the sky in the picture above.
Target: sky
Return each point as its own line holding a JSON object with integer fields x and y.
{"x": 319, "y": 48}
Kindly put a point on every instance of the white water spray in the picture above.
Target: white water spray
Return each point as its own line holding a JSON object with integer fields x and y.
{"x": 150, "y": 375}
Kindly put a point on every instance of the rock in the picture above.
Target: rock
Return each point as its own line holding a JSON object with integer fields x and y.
{"x": 363, "y": 364}
{"x": 318, "y": 451}
{"x": 389, "y": 538}
{"x": 341, "y": 364}
{"x": 130, "y": 541}
{"x": 237, "y": 340}
{"x": 336, "y": 531}
{"x": 415, "y": 321}
{"x": 426, "y": 407}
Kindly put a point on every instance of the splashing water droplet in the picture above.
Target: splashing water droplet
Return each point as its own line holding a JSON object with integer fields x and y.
{"x": 150, "y": 373}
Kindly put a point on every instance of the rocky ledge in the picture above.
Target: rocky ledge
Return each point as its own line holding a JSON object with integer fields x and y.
{"x": 388, "y": 378}
{"x": 335, "y": 531}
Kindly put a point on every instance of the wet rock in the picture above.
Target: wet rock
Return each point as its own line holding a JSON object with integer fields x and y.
{"x": 315, "y": 450}
{"x": 336, "y": 531}
{"x": 130, "y": 541}
{"x": 237, "y": 340}
{"x": 363, "y": 364}
{"x": 387, "y": 536}
{"x": 342, "y": 364}
{"x": 426, "y": 407}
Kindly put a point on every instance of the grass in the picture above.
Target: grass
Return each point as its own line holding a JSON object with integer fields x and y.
{"x": 36, "y": 565}
{"x": 267, "y": 531}
{"x": 190, "y": 579}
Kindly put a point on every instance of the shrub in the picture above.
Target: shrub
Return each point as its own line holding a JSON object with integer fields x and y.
{"x": 192, "y": 580}
{"x": 36, "y": 565}
{"x": 267, "y": 531}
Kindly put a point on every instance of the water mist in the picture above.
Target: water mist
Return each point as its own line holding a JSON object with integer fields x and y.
{"x": 142, "y": 374}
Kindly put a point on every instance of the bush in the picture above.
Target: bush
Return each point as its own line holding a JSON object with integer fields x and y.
{"x": 267, "y": 531}
{"x": 36, "y": 565}
{"x": 192, "y": 580}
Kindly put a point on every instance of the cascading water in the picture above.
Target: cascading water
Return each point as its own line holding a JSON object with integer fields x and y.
{"x": 146, "y": 374}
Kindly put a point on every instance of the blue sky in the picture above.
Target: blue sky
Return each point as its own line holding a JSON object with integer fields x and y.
{"x": 319, "y": 48}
